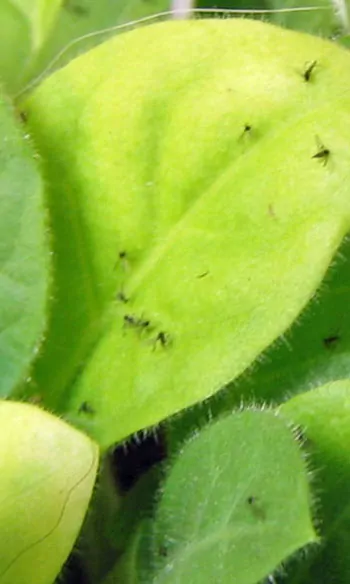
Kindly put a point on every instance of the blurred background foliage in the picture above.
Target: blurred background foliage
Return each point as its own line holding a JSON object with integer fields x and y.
{"x": 38, "y": 36}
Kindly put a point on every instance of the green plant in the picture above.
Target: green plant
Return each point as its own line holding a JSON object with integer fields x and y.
{"x": 171, "y": 202}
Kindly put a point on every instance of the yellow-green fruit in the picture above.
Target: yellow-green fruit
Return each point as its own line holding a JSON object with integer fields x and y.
{"x": 47, "y": 471}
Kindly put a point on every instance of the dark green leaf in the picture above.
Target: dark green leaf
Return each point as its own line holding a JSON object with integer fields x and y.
{"x": 235, "y": 503}
{"x": 24, "y": 254}
{"x": 324, "y": 416}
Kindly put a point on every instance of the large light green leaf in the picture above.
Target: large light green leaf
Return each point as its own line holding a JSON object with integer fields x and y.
{"x": 24, "y": 254}
{"x": 209, "y": 191}
{"x": 24, "y": 26}
{"x": 324, "y": 416}
{"x": 234, "y": 505}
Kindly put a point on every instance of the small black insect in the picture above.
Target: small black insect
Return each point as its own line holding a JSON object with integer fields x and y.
{"x": 202, "y": 275}
{"x": 162, "y": 338}
{"x": 323, "y": 153}
{"x": 247, "y": 128}
{"x": 256, "y": 507}
{"x": 23, "y": 116}
{"x": 76, "y": 9}
{"x": 309, "y": 70}
{"x": 163, "y": 551}
{"x": 86, "y": 408}
{"x": 122, "y": 260}
{"x": 122, "y": 298}
{"x": 144, "y": 323}
{"x": 331, "y": 341}
{"x": 133, "y": 321}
